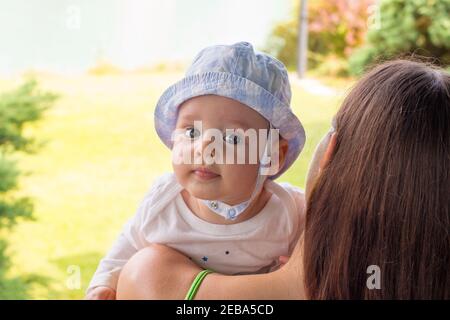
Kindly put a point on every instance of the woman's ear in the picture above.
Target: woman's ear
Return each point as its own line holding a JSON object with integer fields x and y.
{"x": 329, "y": 151}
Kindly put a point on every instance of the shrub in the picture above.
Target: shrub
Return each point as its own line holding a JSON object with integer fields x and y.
{"x": 336, "y": 28}
{"x": 18, "y": 108}
{"x": 406, "y": 27}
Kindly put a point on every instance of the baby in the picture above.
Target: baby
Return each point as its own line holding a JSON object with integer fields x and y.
{"x": 227, "y": 215}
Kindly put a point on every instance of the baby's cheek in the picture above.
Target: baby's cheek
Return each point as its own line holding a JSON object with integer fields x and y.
{"x": 181, "y": 172}
{"x": 181, "y": 154}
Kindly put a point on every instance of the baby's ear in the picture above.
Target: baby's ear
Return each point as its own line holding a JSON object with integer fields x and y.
{"x": 283, "y": 147}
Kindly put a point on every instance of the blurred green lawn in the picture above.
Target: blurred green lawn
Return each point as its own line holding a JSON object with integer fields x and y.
{"x": 101, "y": 156}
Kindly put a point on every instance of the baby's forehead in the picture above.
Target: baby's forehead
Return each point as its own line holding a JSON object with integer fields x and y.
{"x": 220, "y": 111}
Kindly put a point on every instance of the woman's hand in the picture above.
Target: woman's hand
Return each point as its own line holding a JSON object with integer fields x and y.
{"x": 101, "y": 293}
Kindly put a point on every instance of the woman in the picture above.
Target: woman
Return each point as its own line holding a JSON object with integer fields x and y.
{"x": 378, "y": 193}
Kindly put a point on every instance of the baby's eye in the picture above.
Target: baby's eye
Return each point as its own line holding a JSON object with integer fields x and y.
{"x": 232, "y": 138}
{"x": 192, "y": 133}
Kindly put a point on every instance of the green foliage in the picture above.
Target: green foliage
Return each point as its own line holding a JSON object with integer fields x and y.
{"x": 10, "y": 288}
{"x": 404, "y": 27}
{"x": 335, "y": 28}
{"x": 282, "y": 43}
{"x": 18, "y": 108}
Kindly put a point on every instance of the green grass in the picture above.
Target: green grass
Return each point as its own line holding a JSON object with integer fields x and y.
{"x": 101, "y": 156}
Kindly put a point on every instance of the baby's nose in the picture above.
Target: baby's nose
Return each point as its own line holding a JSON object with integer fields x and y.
{"x": 201, "y": 147}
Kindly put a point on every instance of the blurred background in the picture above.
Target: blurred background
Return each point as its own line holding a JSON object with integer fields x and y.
{"x": 79, "y": 81}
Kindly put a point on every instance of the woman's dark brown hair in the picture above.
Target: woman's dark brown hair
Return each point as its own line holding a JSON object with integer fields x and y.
{"x": 384, "y": 197}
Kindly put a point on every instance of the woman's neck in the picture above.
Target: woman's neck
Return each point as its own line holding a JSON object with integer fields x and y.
{"x": 203, "y": 212}
{"x": 288, "y": 281}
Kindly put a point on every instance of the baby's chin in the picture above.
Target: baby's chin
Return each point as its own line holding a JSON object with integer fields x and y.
{"x": 209, "y": 190}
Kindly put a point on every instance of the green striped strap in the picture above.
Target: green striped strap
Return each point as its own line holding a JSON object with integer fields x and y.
{"x": 196, "y": 284}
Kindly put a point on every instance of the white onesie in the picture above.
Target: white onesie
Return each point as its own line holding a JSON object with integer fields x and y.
{"x": 251, "y": 246}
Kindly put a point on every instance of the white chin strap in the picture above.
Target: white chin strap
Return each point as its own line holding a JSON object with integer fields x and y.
{"x": 232, "y": 212}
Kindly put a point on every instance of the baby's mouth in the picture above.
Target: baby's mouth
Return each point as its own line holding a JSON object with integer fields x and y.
{"x": 205, "y": 174}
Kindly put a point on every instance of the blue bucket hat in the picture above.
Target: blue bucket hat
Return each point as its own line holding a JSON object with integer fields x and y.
{"x": 238, "y": 72}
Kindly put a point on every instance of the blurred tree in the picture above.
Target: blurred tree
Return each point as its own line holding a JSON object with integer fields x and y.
{"x": 302, "y": 39}
{"x": 18, "y": 108}
{"x": 406, "y": 26}
{"x": 336, "y": 28}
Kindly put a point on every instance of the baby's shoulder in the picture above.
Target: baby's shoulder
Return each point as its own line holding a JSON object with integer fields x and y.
{"x": 297, "y": 193}
{"x": 162, "y": 191}
{"x": 163, "y": 184}
{"x": 292, "y": 197}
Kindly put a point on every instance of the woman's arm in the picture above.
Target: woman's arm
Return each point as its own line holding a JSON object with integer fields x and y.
{"x": 159, "y": 272}
{"x": 269, "y": 286}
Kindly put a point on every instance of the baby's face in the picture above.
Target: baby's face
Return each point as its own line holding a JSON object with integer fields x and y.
{"x": 208, "y": 173}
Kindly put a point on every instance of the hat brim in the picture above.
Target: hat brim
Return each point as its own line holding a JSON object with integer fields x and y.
{"x": 231, "y": 86}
